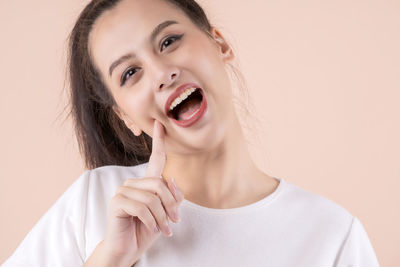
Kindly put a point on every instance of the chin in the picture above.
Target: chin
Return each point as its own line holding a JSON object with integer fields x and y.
{"x": 202, "y": 139}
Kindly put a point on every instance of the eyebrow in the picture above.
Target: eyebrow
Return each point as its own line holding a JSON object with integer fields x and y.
{"x": 153, "y": 36}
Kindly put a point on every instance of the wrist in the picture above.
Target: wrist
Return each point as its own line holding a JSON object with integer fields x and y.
{"x": 101, "y": 257}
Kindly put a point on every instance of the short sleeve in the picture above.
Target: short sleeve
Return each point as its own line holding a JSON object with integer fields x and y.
{"x": 58, "y": 238}
{"x": 357, "y": 250}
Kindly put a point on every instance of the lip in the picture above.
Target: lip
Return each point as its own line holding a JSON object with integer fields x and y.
{"x": 178, "y": 91}
{"x": 197, "y": 116}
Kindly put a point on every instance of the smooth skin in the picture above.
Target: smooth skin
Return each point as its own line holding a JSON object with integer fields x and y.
{"x": 138, "y": 209}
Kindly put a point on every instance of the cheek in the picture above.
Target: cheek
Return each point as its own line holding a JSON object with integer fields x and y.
{"x": 134, "y": 105}
{"x": 202, "y": 56}
{"x": 209, "y": 66}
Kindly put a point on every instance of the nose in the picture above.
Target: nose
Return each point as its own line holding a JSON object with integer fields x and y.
{"x": 165, "y": 75}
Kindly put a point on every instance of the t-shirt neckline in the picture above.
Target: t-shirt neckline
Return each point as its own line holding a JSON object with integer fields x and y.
{"x": 250, "y": 207}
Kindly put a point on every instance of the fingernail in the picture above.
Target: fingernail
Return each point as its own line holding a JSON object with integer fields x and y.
{"x": 168, "y": 230}
{"x": 156, "y": 230}
{"x": 176, "y": 215}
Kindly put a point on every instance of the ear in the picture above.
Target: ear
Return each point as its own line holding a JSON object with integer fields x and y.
{"x": 132, "y": 126}
{"x": 225, "y": 49}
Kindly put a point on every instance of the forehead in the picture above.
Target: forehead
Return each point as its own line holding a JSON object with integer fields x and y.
{"x": 127, "y": 26}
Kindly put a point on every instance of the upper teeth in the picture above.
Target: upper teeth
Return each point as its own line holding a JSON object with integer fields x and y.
{"x": 182, "y": 97}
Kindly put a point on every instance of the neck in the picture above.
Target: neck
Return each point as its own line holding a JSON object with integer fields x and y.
{"x": 219, "y": 177}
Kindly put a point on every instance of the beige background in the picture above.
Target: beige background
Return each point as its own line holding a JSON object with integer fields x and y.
{"x": 324, "y": 77}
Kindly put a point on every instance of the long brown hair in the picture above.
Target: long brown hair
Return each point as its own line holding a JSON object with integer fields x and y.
{"x": 102, "y": 136}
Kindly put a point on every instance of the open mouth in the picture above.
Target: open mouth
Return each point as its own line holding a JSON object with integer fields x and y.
{"x": 188, "y": 107}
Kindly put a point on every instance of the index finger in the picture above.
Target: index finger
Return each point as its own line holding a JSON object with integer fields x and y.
{"x": 157, "y": 157}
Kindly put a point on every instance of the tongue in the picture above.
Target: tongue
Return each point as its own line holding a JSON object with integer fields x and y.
{"x": 187, "y": 108}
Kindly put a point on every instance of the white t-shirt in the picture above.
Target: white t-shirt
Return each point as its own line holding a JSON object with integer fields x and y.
{"x": 290, "y": 227}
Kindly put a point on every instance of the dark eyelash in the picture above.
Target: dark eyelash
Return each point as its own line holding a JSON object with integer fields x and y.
{"x": 123, "y": 77}
{"x": 172, "y": 37}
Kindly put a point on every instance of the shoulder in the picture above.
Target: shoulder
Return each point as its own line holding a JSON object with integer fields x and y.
{"x": 317, "y": 211}
{"x": 76, "y": 222}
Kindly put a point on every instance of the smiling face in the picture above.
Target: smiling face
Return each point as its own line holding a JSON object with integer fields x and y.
{"x": 142, "y": 67}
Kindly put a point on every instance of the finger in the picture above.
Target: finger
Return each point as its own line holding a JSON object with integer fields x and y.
{"x": 159, "y": 188}
{"x": 157, "y": 157}
{"x": 122, "y": 206}
{"x": 173, "y": 187}
{"x": 152, "y": 201}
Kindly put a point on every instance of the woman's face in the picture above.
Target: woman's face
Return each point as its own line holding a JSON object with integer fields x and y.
{"x": 142, "y": 71}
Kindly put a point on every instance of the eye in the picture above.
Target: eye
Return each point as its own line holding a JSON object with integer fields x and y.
{"x": 127, "y": 74}
{"x": 167, "y": 42}
{"x": 171, "y": 39}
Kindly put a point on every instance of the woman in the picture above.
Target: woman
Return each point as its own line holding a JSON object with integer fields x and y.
{"x": 158, "y": 68}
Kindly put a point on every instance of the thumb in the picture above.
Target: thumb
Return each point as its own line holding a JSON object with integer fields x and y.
{"x": 157, "y": 157}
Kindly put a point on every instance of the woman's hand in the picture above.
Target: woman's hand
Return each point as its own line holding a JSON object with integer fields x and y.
{"x": 138, "y": 212}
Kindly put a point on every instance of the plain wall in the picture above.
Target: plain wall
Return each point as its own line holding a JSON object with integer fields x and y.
{"x": 324, "y": 77}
